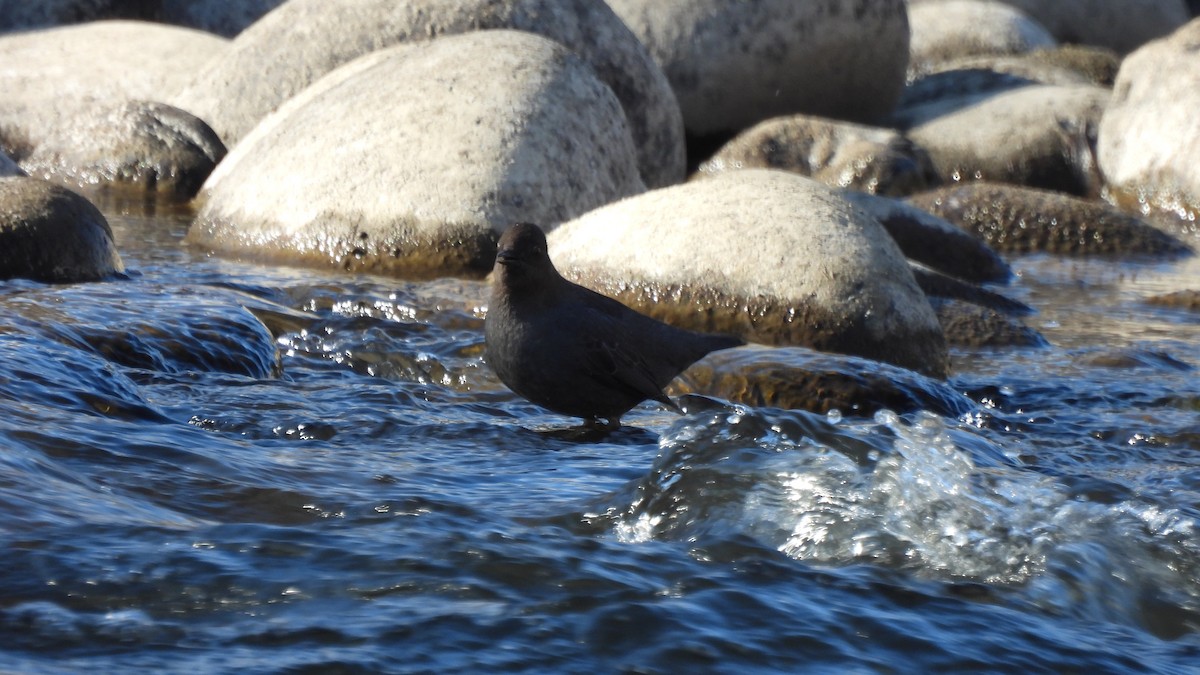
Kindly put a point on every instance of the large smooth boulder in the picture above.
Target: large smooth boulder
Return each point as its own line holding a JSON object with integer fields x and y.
{"x": 1038, "y": 135}
{"x": 49, "y": 233}
{"x": 300, "y": 41}
{"x": 1149, "y": 137}
{"x": 412, "y": 160}
{"x": 774, "y": 257}
{"x": 733, "y": 63}
{"x": 954, "y": 29}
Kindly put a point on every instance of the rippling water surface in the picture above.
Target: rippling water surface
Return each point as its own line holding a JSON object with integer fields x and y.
{"x": 212, "y": 466}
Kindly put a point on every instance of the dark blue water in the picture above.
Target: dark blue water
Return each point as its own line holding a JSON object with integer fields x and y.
{"x": 213, "y": 466}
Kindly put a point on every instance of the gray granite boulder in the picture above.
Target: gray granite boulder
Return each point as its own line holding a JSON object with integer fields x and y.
{"x": 1017, "y": 219}
{"x": 411, "y": 160}
{"x": 1039, "y": 135}
{"x": 953, "y": 29}
{"x": 1149, "y": 137}
{"x": 300, "y": 41}
{"x": 734, "y": 63}
{"x": 49, "y": 233}
{"x": 769, "y": 255}
{"x": 838, "y": 154}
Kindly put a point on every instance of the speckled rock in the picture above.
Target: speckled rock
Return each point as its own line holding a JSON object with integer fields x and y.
{"x": 296, "y": 44}
{"x": 1023, "y": 220}
{"x": 137, "y": 144}
{"x": 802, "y": 379}
{"x": 838, "y": 154}
{"x": 735, "y": 63}
{"x": 953, "y": 29}
{"x": 774, "y": 257}
{"x": 932, "y": 241}
{"x": 48, "y": 233}
{"x": 380, "y": 167}
{"x": 1149, "y": 137}
{"x": 1036, "y": 135}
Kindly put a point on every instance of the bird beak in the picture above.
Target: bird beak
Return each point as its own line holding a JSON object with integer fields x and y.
{"x": 505, "y": 256}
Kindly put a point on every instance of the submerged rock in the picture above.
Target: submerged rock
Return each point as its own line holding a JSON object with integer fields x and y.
{"x": 1188, "y": 299}
{"x": 150, "y": 146}
{"x": 802, "y": 379}
{"x": 933, "y": 241}
{"x": 298, "y": 43}
{"x": 381, "y": 167}
{"x": 1037, "y": 135}
{"x": 771, "y": 256}
{"x": 732, "y": 64}
{"x": 968, "y": 324}
{"x": 838, "y": 154}
{"x": 1149, "y": 137}
{"x": 48, "y": 233}
{"x": 1024, "y": 220}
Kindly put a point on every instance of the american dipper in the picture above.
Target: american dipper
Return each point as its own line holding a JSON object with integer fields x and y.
{"x": 572, "y": 350}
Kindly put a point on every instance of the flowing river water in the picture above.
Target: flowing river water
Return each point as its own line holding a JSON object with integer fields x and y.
{"x": 212, "y": 466}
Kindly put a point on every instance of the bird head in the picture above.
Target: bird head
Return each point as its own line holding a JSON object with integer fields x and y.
{"x": 522, "y": 258}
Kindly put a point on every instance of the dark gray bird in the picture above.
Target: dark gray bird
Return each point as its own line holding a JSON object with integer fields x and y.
{"x": 572, "y": 350}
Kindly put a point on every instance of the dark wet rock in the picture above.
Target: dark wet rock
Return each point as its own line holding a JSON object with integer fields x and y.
{"x": 733, "y": 64}
{"x": 1187, "y": 299}
{"x": 954, "y": 29}
{"x": 1133, "y": 357}
{"x": 838, "y": 154}
{"x": 1148, "y": 139}
{"x": 1120, "y": 25}
{"x": 967, "y": 324}
{"x": 48, "y": 233}
{"x": 572, "y": 350}
{"x": 138, "y": 144}
{"x": 939, "y": 286}
{"x": 1038, "y": 135}
{"x": 1014, "y": 219}
{"x": 802, "y": 379}
{"x": 774, "y": 257}
{"x": 222, "y": 17}
{"x": 293, "y": 46}
{"x": 933, "y": 241}
{"x": 379, "y": 167}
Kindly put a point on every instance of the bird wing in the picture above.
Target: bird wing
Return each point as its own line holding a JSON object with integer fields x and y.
{"x": 624, "y": 370}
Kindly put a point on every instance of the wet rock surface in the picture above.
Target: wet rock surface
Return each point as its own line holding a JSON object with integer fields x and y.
{"x": 1015, "y": 219}
{"x": 48, "y": 233}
